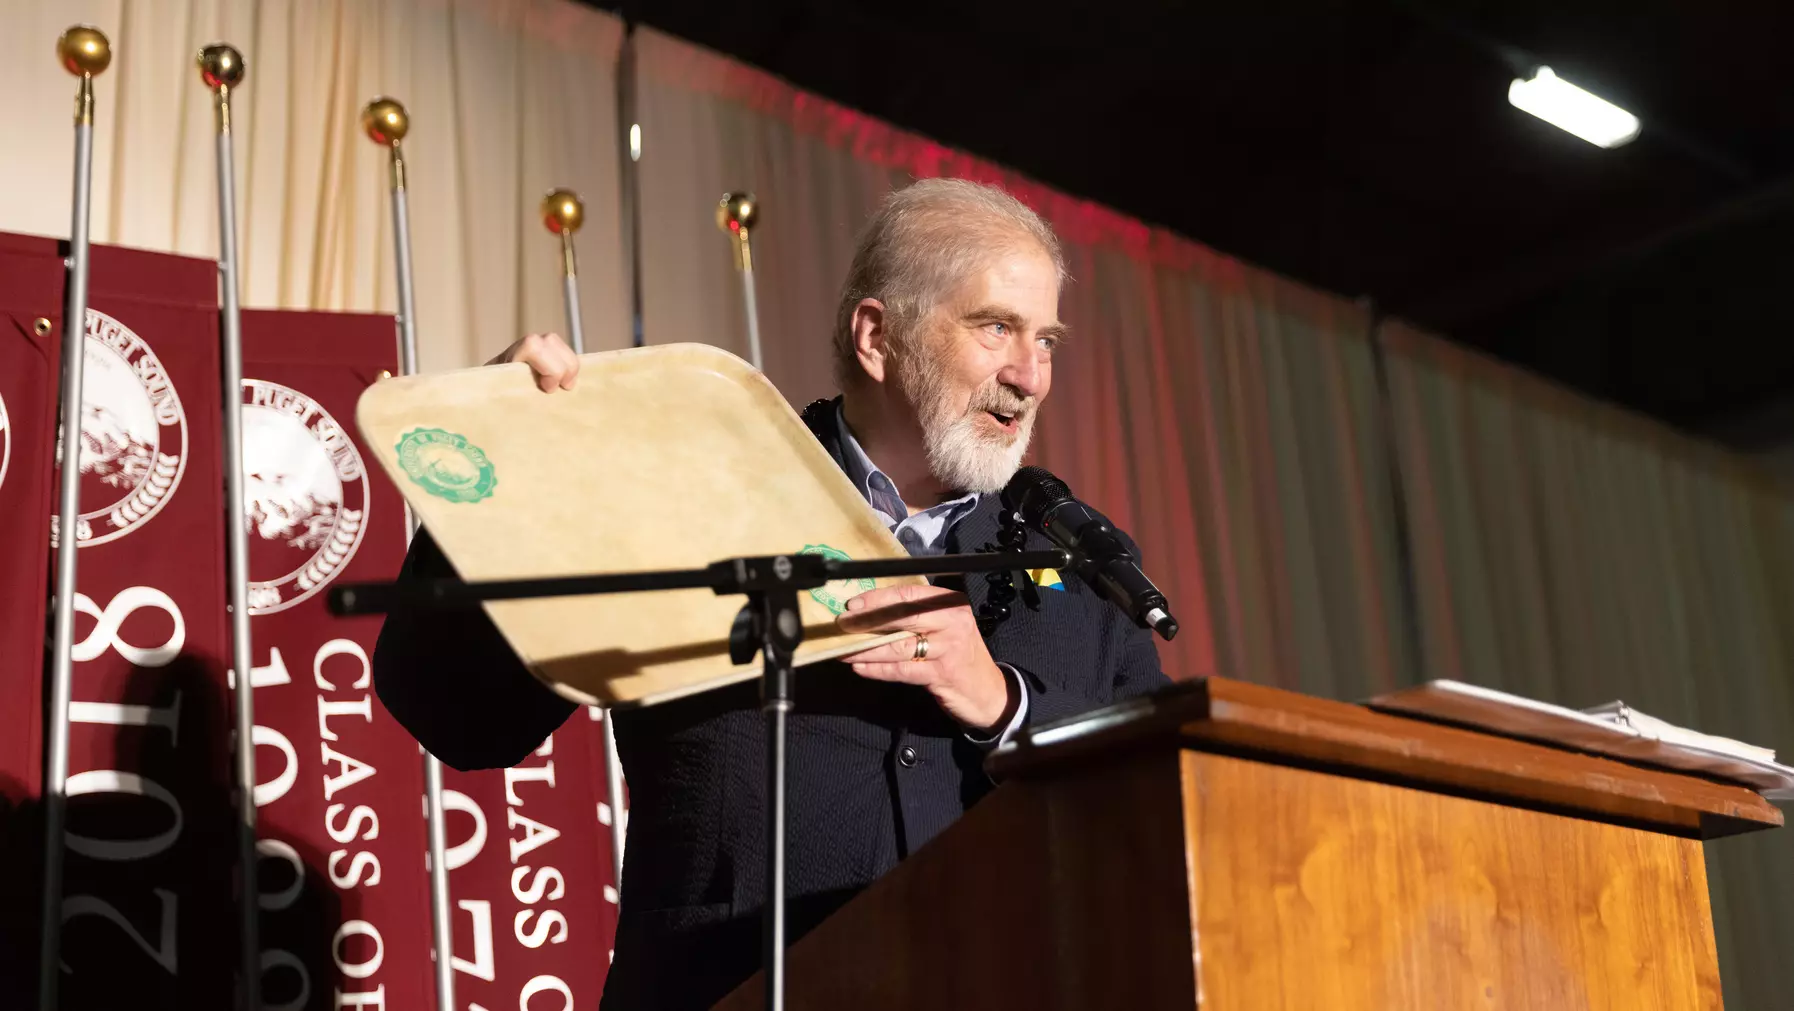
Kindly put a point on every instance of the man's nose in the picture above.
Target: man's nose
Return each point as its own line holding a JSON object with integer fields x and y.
{"x": 1022, "y": 371}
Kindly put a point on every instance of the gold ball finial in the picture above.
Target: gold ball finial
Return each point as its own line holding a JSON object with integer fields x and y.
{"x": 221, "y": 66}
{"x": 737, "y": 212}
{"x": 563, "y": 211}
{"x": 84, "y": 50}
{"x": 386, "y": 121}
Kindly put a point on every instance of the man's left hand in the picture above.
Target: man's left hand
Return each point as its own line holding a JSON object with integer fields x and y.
{"x": 958, "y": 669}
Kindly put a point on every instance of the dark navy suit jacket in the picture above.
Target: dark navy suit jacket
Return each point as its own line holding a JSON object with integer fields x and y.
{"x": 876, "y": 769}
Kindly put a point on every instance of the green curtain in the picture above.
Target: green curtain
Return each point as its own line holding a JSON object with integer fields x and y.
{"x": 1570, "y": 552}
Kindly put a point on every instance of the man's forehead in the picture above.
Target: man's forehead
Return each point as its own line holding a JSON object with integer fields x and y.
{"x": 1007, "y": 281}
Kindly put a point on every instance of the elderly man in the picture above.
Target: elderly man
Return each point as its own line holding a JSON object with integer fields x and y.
{"x": 944, "y": 344}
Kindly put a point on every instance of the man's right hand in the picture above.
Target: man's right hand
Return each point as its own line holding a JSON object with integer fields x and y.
{"x": 555, "y": 364}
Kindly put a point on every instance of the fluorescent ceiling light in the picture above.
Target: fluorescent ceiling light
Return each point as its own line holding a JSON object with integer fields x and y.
{"x": 1569, "y": 108}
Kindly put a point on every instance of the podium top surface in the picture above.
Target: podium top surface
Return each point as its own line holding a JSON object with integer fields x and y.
{"x": 1219, "y": 714}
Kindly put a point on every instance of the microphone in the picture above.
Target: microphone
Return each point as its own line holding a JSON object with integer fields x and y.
{"x": 1099, "y": 556}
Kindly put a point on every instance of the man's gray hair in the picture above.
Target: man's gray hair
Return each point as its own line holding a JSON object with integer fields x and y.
{"x": 926, "y": 240}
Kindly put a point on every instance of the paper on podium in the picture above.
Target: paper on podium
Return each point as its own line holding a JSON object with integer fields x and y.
{"x": 667, "y": 457}
{"x": 1612, "y": 729}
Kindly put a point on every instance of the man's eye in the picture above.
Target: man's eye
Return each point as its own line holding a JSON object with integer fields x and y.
{"x": 1047, "y": 343}
{"x": 1000, "y": 329}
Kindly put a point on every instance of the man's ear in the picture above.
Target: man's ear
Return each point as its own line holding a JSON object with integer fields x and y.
{"x": 869, "y": 335}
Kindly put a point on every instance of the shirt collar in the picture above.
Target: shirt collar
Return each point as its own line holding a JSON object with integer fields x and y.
{"x": 877, "y": 488}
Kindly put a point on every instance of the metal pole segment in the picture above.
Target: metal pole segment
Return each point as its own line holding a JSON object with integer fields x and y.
{"x": 753, "y": 310}
{"x": 778, "y": 712}
{"x": 810, "y": 571}
{"x": 441, "y": 912}
{"x": 613, "y": 782}
{"x": 386, "y": 123}
{"x": 442, "y": 927}
{"x": 575, "y": 333}
{"x": 563, "y": 213}
{"x": 401, "y": 240}
{"x": 237, "y": 544}
{"x": 736, "y": 215}
{"x": 781, "y": 630}
{"x": 74, "y": 344}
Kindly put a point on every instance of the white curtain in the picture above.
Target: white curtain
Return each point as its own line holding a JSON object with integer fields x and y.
{"x": 695, "y": 148}
{"x": 508, "y": 99}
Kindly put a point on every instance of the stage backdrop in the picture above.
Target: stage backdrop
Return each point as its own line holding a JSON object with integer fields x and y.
{"x": 1236, "y": 423}
{"x": 508, "y": 99}
{"x": 1570, "y": 551}
{"x": 1222, "y": 415}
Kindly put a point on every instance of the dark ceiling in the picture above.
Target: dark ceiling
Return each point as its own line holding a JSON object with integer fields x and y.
{"x": 1368, "y": 148}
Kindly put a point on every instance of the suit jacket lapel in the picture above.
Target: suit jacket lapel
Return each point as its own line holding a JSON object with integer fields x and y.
{"x": 977, "y": 529}
{"x": 819, "y": 418}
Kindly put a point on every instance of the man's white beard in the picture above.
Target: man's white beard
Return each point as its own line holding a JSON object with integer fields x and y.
{"x": 963, "y": 458}
{"x": 962, "y": 454}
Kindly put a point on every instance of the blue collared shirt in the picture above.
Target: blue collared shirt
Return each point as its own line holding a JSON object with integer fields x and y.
{"x": 924, "y": 533}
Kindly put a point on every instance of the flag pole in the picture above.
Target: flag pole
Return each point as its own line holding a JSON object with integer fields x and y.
{"x": 737, "y": 214}
{"x": 85, "y": 52}
{"x": 387, "y": 123}
{"x": 563, "y": 213}
{"x": 221, "y": 68}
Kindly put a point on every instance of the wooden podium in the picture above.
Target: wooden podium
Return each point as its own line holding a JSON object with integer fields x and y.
{"x": 1229, "y": 846}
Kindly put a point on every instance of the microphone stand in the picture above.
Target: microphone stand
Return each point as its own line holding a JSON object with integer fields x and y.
{"x": 769, "y": 625}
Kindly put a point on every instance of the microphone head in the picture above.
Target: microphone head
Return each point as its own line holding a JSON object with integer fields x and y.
{"x": 1033, "y": 492}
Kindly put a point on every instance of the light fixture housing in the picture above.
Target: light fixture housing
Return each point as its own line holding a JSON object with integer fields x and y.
{"x": 1572, "y": 109}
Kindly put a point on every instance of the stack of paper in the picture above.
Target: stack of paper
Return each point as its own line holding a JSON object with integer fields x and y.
{"x": 1613, "y": 729}
{"x": 1621, "y": 714}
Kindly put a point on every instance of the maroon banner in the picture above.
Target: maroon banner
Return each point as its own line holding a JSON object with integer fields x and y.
{"x": 31, "y": 293}
{"x": 530, "y": 872}
{"x": 345, "y": 897}
{"x": 148, "y": 903}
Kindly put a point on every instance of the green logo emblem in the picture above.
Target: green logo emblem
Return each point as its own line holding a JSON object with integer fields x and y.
{"x": 446, "y": 464}
{"x": 835, "y": 595}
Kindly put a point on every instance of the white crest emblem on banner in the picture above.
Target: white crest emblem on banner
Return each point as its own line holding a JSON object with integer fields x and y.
{"x": 133, "y": 434}
{"x": 305, "y": 494}
{"x": 5, "y": 441}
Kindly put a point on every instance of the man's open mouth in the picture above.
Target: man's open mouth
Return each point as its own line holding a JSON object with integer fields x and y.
{"x": 1008, "y": 422}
